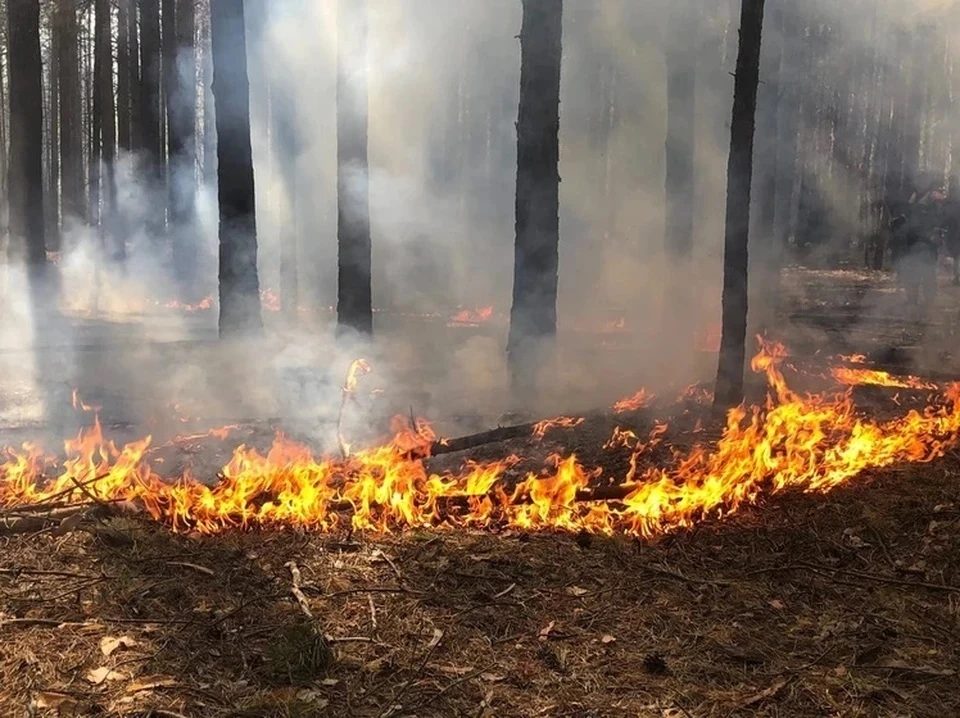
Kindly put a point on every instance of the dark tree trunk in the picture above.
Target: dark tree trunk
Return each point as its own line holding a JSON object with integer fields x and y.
{"x": 182, "y": 146}
{"x": 729, "y": 389}
{"x": 151, "y": 122}
{"x": 168, "y": 78}
{"x": 239, "y": 285}
{"x": 123, "y": 74}
{"x": 71, "y": 111}
{"x": 113, "y": 243}
{"x": 96, "y": 110}
{"x": 354, "y": 291}
{"x": 681, "y": 104}
{"x": 25, "y": 183}
{"x": 533, "y": 315}
{"x": 135, "y": 76}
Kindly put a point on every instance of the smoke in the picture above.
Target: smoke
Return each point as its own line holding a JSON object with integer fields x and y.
{"x": 443, "y": 90}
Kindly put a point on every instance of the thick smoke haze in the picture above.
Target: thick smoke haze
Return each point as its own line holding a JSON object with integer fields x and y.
{"x": 443, "y": 94}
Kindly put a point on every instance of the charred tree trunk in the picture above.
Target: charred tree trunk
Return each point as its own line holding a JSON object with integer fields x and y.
{"x": 96, "y": 121}
{"x": 354, "y": 291}
{"x": 150, "y": 105}
{"x": 182, "y": 147}
{"x": 123, "y": 74}
{"x": 239, "y": 285}
{"x": 729, "y": 389}
{"x": 533, "y": 316}
{"x": 209, "y": 108}
{"x": 25, "y": 183}
{"x": 681, "y": 106}
{"x": 71, "y": 111}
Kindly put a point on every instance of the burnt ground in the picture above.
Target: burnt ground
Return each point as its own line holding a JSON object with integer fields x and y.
{"x": 845, "y": 604}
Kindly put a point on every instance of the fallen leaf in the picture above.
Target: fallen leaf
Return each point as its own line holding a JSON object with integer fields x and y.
{"x": 149, "y": 683}
{"x": 437, "y": 637}
{"x": 545, "y": 631}
{"x": 69, "y": 524}
{"x": 49, "y": 699}
{"x": 492, "y": 677}
{"x": 309, "y": 695}
{"x": 455, "y": 670}
{"x": 97, "y": 676}
{"x": 764, "y": 694}
{"x": 577, "y": 591}
{"x": 109, "y": 644}
{"x": 194, "y": 566}
{"x": 778, "y": 604}
{"x": 608, "y": 639}
{"x": 329, "y": 682}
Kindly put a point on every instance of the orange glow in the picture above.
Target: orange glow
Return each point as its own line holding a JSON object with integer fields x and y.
{"x": 640, "y": 400}
{"x": 811, "y": 443}
{"x": 471, "y": 317}
{"x": 708, "y": 339}
{"x": 541, "y": 428}
{"x": 858, "y": 377}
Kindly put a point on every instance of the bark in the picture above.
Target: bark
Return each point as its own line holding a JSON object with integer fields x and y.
{"x": 4, "y": 154}
{"x": 123, "y": 74}
{"x": 71, "y": 111}
{"x": 354, "y": 292}
{"x": 209, "y": 108}
{"x": 729, "y": 389}
{"x": 288, "y": 144}
{"x": 152, "y": 134}
{"x": 182, "y": 146}
{"x": 25, "y": 182}
{"x": 533, "y": 315}
{"x": 100, "y": 66}
{"x": 681, "y": 105}
{"x": 239, "y": 285}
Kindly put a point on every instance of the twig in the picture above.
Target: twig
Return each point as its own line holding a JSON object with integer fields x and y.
{"x": 45, "y": 502}
{"x": 406, "y": 686}
{"x": 880, "y": 579}
{"x": 295, "y": 589}
{"x": 456, "y": 684}
{"x": 686, "y": 579}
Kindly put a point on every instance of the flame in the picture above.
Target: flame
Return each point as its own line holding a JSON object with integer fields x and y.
{"x": 811, "y": 443}
{"x": 640, "y": 400}
{"x": 541, "y": 428}
{"x": 471, "y": 317}
{"x": 203, "y": 305}
{"x": 854, "y": 358}
{"x": 875, "y": 377}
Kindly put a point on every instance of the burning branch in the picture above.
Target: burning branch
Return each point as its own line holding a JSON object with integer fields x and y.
{"x": 358, "y": 368}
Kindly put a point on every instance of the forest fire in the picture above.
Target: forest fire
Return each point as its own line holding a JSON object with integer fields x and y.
{"x": 809, "y": 443}
{"x": 875, "y": 377}
{"x": 471, "y": 317}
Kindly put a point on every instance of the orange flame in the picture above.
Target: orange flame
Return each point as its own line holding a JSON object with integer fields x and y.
{"x": 810, "y": 443}
{"x": 471, "y": 317}
{"x": 875, "y": 377}
{"x": 541, "y": 428}
{"x": 640, "y": 400}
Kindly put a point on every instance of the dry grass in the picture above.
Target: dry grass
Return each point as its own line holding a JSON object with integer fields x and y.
{"x": 840, "y": 605}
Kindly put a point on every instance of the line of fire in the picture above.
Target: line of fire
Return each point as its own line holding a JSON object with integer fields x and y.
{"x": 401, "y": 358}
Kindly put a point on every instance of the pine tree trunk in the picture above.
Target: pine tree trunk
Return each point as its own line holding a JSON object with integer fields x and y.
{"x": 100, "y": 65}
{"x": 151, "y": 123}
{"x": 729, "y": 389}
{"x": 681, "y": 106}
{"x": 354, "y": 297}
{"x": 71, "y": 111}
{"x": 287, "y": 149}
{"x": 209, "y": 107}
{"x": 168, "y": 88}
{"x": 239, "y": 285}
{"x": 182, "y": 147}
{"x": 123, "y": 74}
{"x": 25, "y": 182}
{"x": 533, "y": 315}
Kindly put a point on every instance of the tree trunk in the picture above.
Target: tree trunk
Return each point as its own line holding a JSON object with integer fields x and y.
{"x": 182, "y": 147}
{"x": 168, "y": 88}
{"x": 681, "y": 104}
{"x": 25, "y": 183}
{"x": 287, "y": 148}
{"x": 123, "y": 74}
{"x": 729, "y": 389}
{"x": 71, "y": 111}
{"x": 533, "y": 315}
{"x": 100, "y": 66}
{"x": 151, "y": 119}
{"x": 239, "y": 285}
{"x": 354, "y": 293}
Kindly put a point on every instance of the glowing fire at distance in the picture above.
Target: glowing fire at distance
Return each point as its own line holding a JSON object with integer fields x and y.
{"x": 851, "y": 376}
{"x": 471, "y": 317}
{"x": 811, "y": 443}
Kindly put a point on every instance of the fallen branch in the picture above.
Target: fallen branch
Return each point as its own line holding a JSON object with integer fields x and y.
{"x": 493, "y": 436}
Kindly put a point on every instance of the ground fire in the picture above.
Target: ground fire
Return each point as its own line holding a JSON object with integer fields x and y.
{"x": 810, "y": 443}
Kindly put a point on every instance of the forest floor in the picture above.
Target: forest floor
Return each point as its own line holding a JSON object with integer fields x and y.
{"x": 840, "y": 604}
